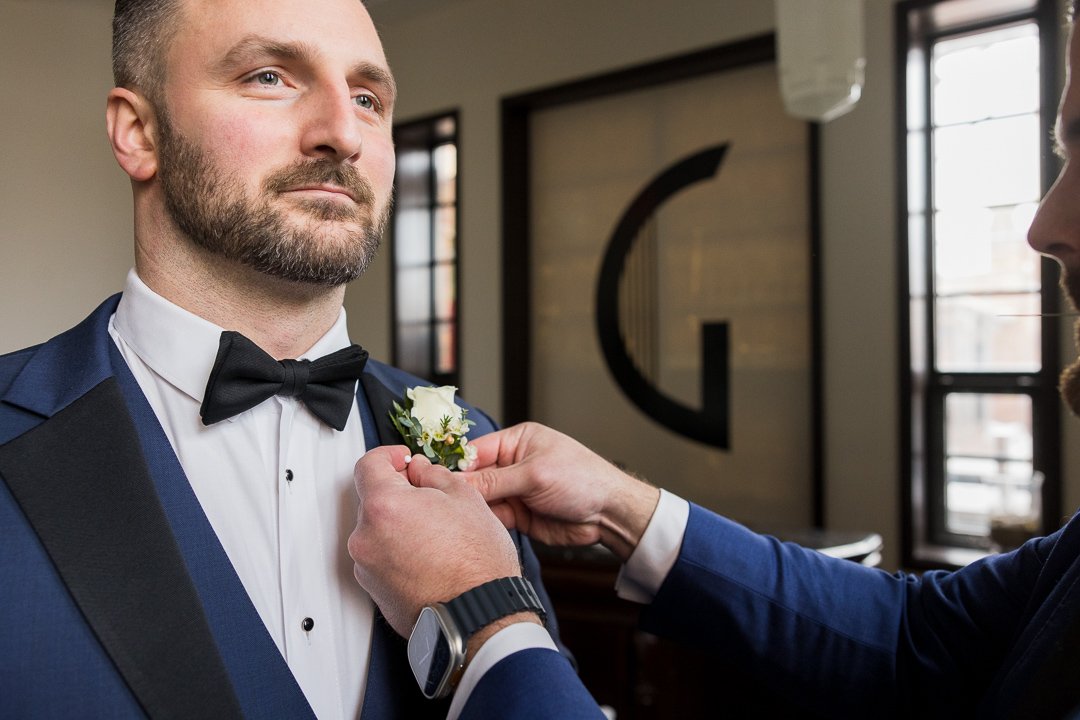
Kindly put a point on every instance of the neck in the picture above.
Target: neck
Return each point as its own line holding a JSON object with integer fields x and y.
{"x": 284, "y": 318}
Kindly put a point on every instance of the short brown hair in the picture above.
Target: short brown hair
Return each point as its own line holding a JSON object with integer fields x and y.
{"x": 142, "y": 30}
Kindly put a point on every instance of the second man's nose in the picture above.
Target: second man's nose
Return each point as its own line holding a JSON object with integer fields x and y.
{"x": 1055, "y": 231}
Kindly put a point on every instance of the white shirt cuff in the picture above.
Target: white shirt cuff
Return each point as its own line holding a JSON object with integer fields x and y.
{"x": 506, "y": 642}
{"x": 655, "y": 555}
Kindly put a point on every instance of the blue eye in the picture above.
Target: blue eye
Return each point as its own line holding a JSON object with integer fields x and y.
{"x": 367, "y": 102}
{"x": 267, "y": 78}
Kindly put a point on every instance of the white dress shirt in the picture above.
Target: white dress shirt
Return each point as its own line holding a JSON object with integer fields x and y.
{"x": 656, "y": 552}
{"x": 277, "y": 487}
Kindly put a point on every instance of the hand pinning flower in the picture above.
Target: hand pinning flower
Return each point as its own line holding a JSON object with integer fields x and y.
{"x": 432, "y": 423}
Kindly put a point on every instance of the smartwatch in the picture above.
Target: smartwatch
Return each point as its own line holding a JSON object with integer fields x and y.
{"x": 437, "y": 641}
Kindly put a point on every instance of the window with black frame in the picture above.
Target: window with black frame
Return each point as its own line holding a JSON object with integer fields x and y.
{"x": 979, "y": 332}
{"x": 425, "y": 249}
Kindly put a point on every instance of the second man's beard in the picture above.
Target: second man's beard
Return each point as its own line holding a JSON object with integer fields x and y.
{"x": 1069, "y": 384}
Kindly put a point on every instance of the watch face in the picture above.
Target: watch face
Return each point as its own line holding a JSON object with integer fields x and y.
{"x": 429, "y": 652}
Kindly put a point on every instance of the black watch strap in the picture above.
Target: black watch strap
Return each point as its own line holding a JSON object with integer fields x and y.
{"x": 495, "y": 599}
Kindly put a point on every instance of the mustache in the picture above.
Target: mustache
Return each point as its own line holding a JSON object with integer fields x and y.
{"x": 319, "y": 172}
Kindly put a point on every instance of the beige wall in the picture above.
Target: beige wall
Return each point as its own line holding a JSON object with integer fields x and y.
{"x": 65, "y": 224}
{"x": 65, "y": 207}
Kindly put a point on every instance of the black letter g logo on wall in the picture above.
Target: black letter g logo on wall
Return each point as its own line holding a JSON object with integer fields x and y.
{"x": 710, "y": 424}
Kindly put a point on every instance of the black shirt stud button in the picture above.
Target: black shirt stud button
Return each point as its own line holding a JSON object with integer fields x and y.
{"x": 288, "y": 476}
{"x": 307, "y": 624}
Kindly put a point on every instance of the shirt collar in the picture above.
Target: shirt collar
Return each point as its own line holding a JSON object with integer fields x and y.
{"x": 180, "y": 346}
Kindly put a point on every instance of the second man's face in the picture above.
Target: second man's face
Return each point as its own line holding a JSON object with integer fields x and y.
{"x": 1056, "y": 229}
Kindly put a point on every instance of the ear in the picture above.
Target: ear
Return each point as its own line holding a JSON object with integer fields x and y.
{"x": 128, "y": 117}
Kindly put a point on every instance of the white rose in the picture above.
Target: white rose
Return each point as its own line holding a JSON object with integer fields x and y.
{"x": 431, "y": 405}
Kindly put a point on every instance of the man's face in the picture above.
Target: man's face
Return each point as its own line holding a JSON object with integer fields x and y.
{"x": 1056, "y": 228}
{"x": 274, "y": 140}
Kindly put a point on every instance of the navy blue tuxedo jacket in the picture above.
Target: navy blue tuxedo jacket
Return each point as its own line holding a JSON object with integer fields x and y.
{"x": 997, "y": 639}
{"x": 117, "y": 596}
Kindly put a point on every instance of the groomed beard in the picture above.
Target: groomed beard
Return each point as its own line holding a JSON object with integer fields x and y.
{"x": 1070, "y": 376}
{"x": 214, "y": 213}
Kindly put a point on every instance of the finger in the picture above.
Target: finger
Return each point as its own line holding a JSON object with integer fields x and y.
{"x": 422, "y": 473}
{"x": 500, "y": 483}
{"x": 505, "y": 513}
{"x": 497, "y": 448}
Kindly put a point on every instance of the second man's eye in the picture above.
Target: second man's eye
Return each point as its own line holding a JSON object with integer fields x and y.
{"x": 267, "y": 78}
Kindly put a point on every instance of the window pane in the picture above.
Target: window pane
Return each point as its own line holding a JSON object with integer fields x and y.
{"x": 412, "y": 237}
{"x": 445, "y": 292}
{"x": 919, "y": 357}
{"x": 414, "y": 349}
{"x": 446, "y": 358}
{"x": 414, "y": 295}
{"x": 413, "y": 178}
{"x": 983, "y": 249}
{"x": 974, "y": 502}
{"x": 916, "y": 89}
{"x": 446, "y": 233}
{"x": 916, "y": 161}
{"x": 989, "y": 163}
{"x": 986, "y": 75}
{"x": 995, "y": 426}
{"x": 445, "y": 159}
{"x": 988, "y": 333}
{"x": 917, "y": 255}
{"x": 989, "y": 470}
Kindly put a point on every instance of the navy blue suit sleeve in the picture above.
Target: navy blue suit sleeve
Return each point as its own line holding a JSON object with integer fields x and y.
{"x": 842, "y": 639}
{"x": 533, "y": 683}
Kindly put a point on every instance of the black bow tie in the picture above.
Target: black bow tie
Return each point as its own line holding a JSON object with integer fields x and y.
{"x": 244, "y": 375}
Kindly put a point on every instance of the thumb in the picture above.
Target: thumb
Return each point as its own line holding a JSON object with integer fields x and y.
{"x": 395, "y": 455}
{"x": 380, "y": 465}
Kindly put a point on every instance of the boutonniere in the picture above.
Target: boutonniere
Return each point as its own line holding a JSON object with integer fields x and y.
{"x": 433, "y": 424}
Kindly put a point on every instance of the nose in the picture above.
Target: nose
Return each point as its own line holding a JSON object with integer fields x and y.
{"x": 333, "y": 129}
{"x": 1055, "y": 231}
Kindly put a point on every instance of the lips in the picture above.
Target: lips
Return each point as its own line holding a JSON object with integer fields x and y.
{"x": 333, "y": 189}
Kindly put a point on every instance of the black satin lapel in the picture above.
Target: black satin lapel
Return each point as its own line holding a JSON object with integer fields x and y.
{"x": 381, "y": 399}
{"x": 81, "y": 480}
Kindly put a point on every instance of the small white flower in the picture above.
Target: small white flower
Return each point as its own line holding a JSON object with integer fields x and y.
{"x": 467, "y": 462}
